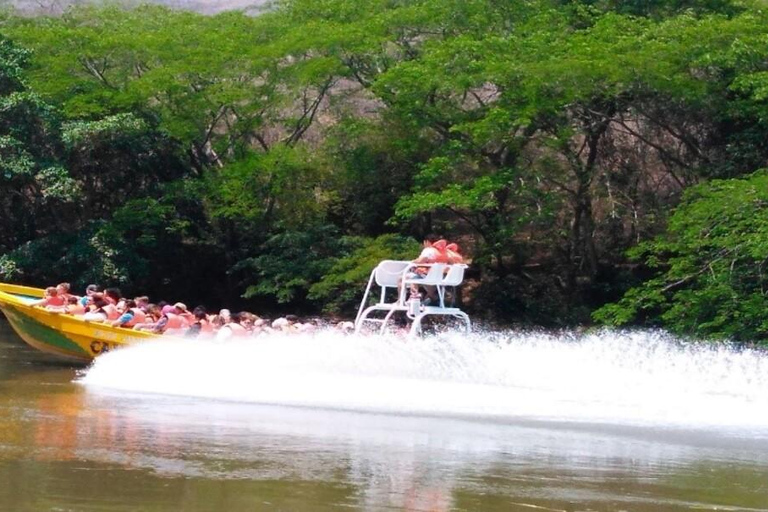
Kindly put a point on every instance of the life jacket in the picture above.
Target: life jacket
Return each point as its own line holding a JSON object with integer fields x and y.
{"x": 452, "y": 250}
{"x": 238, "y": 330}
{"x": 175, "y": 321}
{"x": 442, "y": 254}
{"x": 55, "y": 301}
{"x": 111, "y": 311}
{"x": 206, "y": 326}
{"x": 138, "y": 318}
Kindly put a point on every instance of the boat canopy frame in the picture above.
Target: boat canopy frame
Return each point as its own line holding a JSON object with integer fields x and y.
{"x": 397, "y": 276}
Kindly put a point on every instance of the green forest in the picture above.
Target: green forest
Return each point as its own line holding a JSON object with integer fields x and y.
{"x": 599, "y": 162}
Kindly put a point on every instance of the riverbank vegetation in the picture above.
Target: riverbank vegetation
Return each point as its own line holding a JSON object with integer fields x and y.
{"x": 599, "y": 161}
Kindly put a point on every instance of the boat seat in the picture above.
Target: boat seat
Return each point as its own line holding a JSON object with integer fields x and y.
{"x": 454, "y": 277}
{"x": 389, "y": 272}
{"x": 434, "y": 276}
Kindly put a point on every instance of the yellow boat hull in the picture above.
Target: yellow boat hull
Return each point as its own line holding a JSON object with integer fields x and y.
{"x": 65, "y": 336}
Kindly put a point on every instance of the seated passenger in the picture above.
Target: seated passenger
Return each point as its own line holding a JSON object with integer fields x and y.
{"x": 433, "y": 252}
{"x": 63, "y": 290}
{"x": 114, "y": 297}
{"x": 172, "y": 322}
{"x": 74, "y": 307}
{"x": 454, "y": 257}
{"x": 111, "y": 296}
{"x": 232, "y": 329}
{"x": 89, "y": 290}
{"x": 152, "y": 317}
{"x": 142, "y": 303}
{"x": 97, "y": 312}
{"x": 201, "y": 326}
{"x": 130, "y": 315}
{"x": 51, "y": 299}
{"x": 182, "y": 310}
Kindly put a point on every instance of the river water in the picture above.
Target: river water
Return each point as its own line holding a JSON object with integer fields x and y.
{"x": 496, "y": 422}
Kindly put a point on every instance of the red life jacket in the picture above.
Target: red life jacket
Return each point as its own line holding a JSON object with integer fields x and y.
{"x": 55, "y": 301}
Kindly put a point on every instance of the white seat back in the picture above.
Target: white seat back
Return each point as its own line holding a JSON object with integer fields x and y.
{"x": 434, "y": 275}
{"x": 389, "y": 272}
{"x": 455, "y": 275}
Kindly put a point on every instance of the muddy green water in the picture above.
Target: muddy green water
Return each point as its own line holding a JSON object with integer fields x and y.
{"x": 68, "y": 447}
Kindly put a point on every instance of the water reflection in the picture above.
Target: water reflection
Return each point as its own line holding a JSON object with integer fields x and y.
{"x": 71, "y": 447}
{"x": 379, "y": 461}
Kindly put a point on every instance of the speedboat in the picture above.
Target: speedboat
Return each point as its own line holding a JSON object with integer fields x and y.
{"x": 66, "y": 336}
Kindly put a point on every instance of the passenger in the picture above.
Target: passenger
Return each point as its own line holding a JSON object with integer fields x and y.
{"x": 97, "y": 313}
{"x": 433, "y": 252}
{"x": 442, "y": 255}
{"x": 74, "y": 307}
{"x": 153, "y": 313}
{"x": 284, "y": 324}
{"x": 130, "y": 316}
{"x": 188, "y": 317}
{"x": 89, "y": 290}
{"x": 201, "y": 326}
{"x": 112, "y": 297}
{"x": 259, "y": 326}
{"x": 152, "y": 317}
{"x": 232, "y": 329}
{"x": 217, "y": 322}
{"x": 454, "y": 256}
{"x": 142, "y": 303}
{"x": 51, "y": 299}
{"x": 63, "y": 290}
{"x": 172, "y": 322}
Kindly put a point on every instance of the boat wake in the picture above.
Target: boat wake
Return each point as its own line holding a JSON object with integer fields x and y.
{"x": 634, "y": 378}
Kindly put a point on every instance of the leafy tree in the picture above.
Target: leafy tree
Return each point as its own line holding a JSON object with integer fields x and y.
{"x": 34, "y": 183}
{"x": 710, "y": 277}
{"x": 342, "y": 285}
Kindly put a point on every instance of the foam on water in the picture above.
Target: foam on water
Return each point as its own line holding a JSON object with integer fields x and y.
{"x": 640, "y": 378}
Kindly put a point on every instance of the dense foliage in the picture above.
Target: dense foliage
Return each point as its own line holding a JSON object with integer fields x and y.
{"x": 275, "y": 158}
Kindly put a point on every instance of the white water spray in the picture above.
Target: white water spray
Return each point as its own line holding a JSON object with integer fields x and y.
{"x": 636, "y": 378}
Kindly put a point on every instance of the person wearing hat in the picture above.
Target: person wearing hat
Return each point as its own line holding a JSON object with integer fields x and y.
{"x": 174, "y": 320}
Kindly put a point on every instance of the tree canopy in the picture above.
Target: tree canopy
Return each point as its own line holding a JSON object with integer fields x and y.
{"x": 283, "y": 151}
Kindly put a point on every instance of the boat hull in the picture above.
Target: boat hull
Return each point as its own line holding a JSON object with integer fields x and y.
{"x": 64, "y": 336}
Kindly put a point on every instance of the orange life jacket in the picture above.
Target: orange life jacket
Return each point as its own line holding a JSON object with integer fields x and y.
{"x": 111, "y": 311}
{"x": 175, "y": 321}
{"x": 206, "y": 326}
